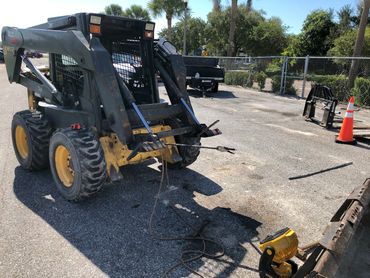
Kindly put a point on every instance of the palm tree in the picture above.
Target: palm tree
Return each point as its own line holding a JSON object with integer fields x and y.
{"x": 345, "y": 15}
{"x": 171, "y": 9}
{"x": 216, "y": 6}
{"x": 249, "y": 4}
{"x": 138, "y": 12}
{"x": 231, "y": 41}
{"x": 356, "y": 19}
{"x": 113, "y": 9}
{"x": 359, "y": 42}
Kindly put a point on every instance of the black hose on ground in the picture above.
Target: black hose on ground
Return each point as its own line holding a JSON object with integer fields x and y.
{"x": 197, "y": 236}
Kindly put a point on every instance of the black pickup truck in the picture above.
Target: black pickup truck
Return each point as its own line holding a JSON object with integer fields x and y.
{"x": 1, "y": 55}
{"x": 203, "y": 73}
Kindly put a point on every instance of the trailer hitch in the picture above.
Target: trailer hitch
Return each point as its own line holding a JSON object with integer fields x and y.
{"x": 206, "y": 131}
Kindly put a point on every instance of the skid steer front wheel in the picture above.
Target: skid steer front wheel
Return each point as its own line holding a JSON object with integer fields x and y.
{"x": 77, "y": 163}
{"x": 30, "y": 135}
{"x": 188, "y": 154}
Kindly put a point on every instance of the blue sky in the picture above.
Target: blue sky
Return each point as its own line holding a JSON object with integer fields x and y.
{"x": 26, "y": 13}
{"x": 292, "y": 12}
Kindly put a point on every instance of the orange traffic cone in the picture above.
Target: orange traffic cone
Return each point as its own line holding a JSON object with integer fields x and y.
{"x": 346, "y": 132}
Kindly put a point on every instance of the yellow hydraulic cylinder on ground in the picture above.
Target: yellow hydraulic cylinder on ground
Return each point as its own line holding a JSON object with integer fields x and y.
{"x": 277, "y": 250}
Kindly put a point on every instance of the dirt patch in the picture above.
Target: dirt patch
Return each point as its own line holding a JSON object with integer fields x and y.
{"x": 255, "y": 177}
{"x": 286, "y": 114}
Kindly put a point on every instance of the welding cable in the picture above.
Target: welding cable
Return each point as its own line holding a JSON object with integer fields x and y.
{"x": 198, "y": 254}
{"x": 321, "y": 171}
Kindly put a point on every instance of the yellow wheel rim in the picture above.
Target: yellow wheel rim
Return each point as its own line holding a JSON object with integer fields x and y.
{"x": 21, "y": 141}
{"x": 64, "y": 166}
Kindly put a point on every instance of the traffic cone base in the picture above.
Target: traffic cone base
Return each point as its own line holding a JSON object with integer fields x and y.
{"x": 346, "y": 131}
{"x": 353, "y": 142}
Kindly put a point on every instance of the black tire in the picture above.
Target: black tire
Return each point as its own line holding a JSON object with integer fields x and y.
{"x": 188, "y": 154}
{"x": 87, "y": 162}
{"x": 215, "y": 88}
{"x": 294, "y": 266}
{"x": 37, "y": 132}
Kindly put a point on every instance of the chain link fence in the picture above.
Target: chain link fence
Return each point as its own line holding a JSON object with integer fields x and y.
{"x": 296, "y": 75}
{"x": 334, "y": 73}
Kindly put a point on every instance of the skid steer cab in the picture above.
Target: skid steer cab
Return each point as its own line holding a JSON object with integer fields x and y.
{"x": 96, "y": 107}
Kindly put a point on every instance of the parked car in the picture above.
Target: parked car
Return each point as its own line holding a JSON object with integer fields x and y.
{"x": 33, "y": 54}
{"x": 1, "y": 55}
{"x": 37, "y": 55}
{"x": 127, "y": 65}
{"x": 203, "y": 73}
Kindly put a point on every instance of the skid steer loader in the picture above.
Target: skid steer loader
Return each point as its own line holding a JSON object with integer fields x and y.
{"x": 97, "y": 107}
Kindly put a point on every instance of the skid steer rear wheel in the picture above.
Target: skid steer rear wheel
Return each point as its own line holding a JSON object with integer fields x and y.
{"x": 30, "y": 135}
{"x": 188, "y": 154}
{"x": 77, "y": 163}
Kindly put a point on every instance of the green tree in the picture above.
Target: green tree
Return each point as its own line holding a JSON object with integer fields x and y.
{"x": 345, "y": 15}
{"x": 315, "y": 38}
{"x": 357, "y": 17}
{"x": 360, "y": 40}
{"x": 293, "y": 46}
{"x": 269, "y": 37}
{"x": 249, "y": 4}
{"x": 195, "y": 38}
{"x": 345, "y": 44}
{"x": 216, "y": 6}
{"x": 138, "y": 12}
{"x": 171, "y": 9}
{"x": 217, "y": 32}
{"x": 113, "y": 9}
{"x": 254, "y": 34}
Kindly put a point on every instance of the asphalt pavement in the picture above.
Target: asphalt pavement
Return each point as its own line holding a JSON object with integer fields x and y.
{"x": 243, "y": 197}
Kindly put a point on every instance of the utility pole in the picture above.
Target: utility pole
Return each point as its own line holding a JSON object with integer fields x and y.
{"x": 185, "y": 25}
{"x": 231, "y": 43}
{"x": 306, "y": 61}
{"x": 359, "y": 43}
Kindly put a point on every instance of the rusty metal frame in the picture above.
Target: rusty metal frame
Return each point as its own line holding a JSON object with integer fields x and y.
{"x": 326, "y": 258}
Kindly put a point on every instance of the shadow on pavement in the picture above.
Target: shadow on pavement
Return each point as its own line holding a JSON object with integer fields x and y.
{"x": 111, "y": 229}
{"x": 219, "y": 94}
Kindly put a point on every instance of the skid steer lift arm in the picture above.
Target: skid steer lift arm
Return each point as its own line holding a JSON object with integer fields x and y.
{"x": 171, "y": 68}
{"x": 72, "y": 43}
{"x": 16, "y": 40}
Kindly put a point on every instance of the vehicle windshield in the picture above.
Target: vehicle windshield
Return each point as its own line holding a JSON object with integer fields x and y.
{"x": 130, "y": 58}
{"x": 125, "y": 58}
{"x": 170, "y": 48}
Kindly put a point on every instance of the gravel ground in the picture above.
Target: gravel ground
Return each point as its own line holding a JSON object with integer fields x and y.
{"x": 243, "y": 196}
